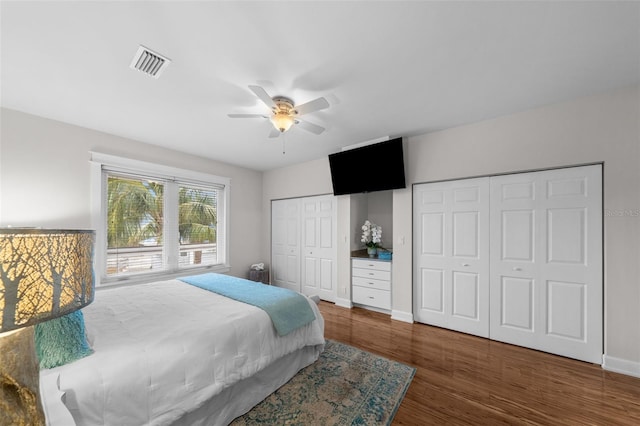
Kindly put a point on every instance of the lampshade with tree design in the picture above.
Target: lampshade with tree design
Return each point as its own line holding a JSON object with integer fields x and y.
{"x": 44, "y": 274}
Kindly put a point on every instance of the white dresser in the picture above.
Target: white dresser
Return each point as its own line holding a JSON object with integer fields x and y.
{"x": 371, "y": 282}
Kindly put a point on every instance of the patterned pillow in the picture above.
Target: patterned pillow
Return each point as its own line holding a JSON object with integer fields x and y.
{"x": 61, "y": 340}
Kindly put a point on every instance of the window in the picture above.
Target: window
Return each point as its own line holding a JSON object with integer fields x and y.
{"x": 154, "y": 220}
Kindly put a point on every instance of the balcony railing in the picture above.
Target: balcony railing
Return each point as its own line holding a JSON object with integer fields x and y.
{"x": 125, "y": 261}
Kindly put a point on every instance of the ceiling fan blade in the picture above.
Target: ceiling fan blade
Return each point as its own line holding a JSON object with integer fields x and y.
{"x": 311, "y": 106}
{"x": 310, "y": 127}
{"x": 274, "y": 133}
{"x": 263, "y": 95}
{"x": 247, "y": 116}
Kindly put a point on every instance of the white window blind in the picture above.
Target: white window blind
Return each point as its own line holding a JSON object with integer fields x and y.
{"x": 156, "y": 220}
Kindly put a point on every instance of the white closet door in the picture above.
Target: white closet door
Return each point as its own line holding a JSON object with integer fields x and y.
{"x": 451, "y": 255}
{"x": 285, "y": 243}
{"x": 546, "y": 261}
{"x": 318, "y": 247}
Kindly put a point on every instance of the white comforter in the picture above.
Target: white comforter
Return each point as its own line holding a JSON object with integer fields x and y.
{"x": 164, "y": 348}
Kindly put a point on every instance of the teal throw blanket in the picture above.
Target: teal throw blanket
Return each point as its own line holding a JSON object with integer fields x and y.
{"x": 288, "y": 310}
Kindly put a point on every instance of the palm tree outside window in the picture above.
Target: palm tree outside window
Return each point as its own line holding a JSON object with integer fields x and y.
{"x": 159, "y": 225}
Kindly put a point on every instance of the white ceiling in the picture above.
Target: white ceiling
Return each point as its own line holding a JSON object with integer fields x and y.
{"x": 394, "y": 68}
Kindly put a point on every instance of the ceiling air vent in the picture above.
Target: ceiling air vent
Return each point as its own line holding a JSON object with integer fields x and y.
{"x": 149, "y": 62}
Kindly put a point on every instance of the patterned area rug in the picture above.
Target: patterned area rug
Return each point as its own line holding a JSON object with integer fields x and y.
{"x": 346, "y": 386}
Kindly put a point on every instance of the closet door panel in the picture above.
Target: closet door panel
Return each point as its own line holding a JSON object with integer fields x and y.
{"x": 451, "y": 255}
{"x": 516, "y": 258}
{"x": 319, "y": 246}
{"x": 466, "y": 296}
{"x": 431, "y": 291}
{"x": 548, "y": 232}
{"x": 516, "y": 303}
{"x": 285, "y": 243}
{"x": 518, "y": 231}
{"x": 303, "y": 245}
{"x": 566, "y": 310}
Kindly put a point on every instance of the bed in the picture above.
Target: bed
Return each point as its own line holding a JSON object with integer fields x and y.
{"x": 171, "y": 353}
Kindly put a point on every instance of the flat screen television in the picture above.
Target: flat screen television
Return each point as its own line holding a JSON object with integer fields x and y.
{"x": 369, "y": 168}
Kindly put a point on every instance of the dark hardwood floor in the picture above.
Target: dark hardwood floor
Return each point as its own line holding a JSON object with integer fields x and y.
{"x": 463, "y": 379}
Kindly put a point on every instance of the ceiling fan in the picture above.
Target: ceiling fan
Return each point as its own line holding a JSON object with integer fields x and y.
{"x": 284, "y": 113}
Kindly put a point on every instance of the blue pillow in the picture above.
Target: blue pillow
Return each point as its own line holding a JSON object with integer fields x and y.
{"x": 61, "y": 340}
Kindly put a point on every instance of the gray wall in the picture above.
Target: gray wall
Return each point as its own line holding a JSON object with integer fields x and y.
{"x": 602, "y": 128}
{"x": 44, "y": 179}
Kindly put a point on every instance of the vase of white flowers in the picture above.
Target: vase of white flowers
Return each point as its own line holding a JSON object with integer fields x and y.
{"x": 371, "y": 237}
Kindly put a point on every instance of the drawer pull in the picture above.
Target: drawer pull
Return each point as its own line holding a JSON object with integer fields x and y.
{"x": 371, "y": 273}
{"x": 371, "y": 297}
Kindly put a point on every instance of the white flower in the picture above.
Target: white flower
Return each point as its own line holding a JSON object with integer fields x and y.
{"x": 371, "y": 234}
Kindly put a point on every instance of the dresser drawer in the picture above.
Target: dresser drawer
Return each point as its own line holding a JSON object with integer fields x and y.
{"x": 371, "y": 264}
{"x": 372, "y": 297}
{"x": 371, "y": 273}
{"x": 372, "y": 283}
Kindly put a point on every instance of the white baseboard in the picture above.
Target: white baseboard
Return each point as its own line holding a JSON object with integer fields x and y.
{"x": 344, "y": 303}
{"x": 619, "y": 365}
{"x": 402, "y": 316}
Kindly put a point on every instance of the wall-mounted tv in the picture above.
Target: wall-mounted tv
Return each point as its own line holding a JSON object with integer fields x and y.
{"x": 369, "y": 168}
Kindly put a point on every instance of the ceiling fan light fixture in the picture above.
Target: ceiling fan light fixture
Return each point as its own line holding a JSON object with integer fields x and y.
{"x": 284, "y": 113}
{"x": 282, "y": 121}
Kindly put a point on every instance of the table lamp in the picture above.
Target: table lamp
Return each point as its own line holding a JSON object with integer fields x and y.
{"x": 44, "y": 274}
